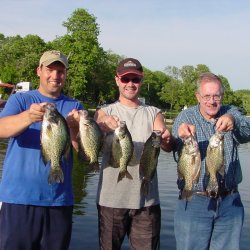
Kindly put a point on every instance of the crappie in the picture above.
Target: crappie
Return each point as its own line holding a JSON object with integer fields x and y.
{"x": 90, "y": 140}
{"x": 188, "y": 167}
{"x": 149, "y": 160}
{"x": 55, "y": 142}
{"x": 122, "y": 150}
{"x": 215, "y": 161}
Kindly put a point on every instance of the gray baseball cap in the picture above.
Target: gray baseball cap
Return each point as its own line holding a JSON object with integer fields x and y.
{"x": 51, "y": 56}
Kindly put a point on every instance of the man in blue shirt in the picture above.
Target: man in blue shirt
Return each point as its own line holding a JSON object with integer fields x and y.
{"x": 211, "y": 221}
{"x": 34, "y": 213}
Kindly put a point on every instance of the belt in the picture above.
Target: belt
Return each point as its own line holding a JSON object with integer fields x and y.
{"x": 219, "y": 194}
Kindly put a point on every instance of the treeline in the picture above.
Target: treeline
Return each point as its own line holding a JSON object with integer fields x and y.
{"x": 91, "y": 72}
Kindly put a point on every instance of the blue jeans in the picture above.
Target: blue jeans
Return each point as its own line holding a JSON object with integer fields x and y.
{"x": 208, "y": 223}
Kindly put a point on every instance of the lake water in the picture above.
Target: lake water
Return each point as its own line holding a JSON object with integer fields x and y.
{"x": 85, "y": 225}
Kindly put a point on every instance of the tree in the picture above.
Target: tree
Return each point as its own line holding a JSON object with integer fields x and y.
{"x": 86, "y": 57}
{"x": 19, "y": 58}
{"x": 244, "y": 96}
{"x": 152, "y": 85}
{"x": 229, "y": 96}
{"x": 107, "y": 90}
{"x": 170, "y": 94}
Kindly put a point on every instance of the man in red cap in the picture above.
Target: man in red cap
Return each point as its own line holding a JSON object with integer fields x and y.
{"x": 122, "y": 207}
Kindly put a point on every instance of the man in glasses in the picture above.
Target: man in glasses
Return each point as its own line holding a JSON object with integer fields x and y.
{"x": 211, "y": 220}
{"x": 122, "y": 208}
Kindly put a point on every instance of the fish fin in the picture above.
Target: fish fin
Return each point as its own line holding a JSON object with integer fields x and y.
{"x": 145, "y": 186}
{"x": 67, "y": 150}
{"x": 192, "y": 160}
{"x": 56, "y": 176}
{"x": 222, "y": 171}
{"x": 196, "y": 176}
{"x": 45, "y": 157}
{"x": 128, "y": 175}
{"x": 82, "y": 156}
{"x": 124, "y": 174}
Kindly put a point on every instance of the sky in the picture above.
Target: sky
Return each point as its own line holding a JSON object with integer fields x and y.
{"x": 159, "y": 33}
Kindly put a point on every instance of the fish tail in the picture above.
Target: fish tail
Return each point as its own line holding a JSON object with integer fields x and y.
{"x": 187, "y": 194}
{"x": 212, "y": 187}
{"x": 124, "y": 174}
{"x": 95, "y": 166}
{"x": 55, "y": 176}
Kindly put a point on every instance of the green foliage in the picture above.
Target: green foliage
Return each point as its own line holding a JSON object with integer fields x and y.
{"x": 152, "y": 84}
{"x": 244, "y": 96}
{"x": 18, "y": 58}
{"x": 229, "y": 95}
{"x": 170, "y": 93}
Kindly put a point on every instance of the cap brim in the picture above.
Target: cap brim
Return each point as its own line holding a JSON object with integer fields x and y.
{"x": 131, "y": 72}
{"x": 47, "y": 63}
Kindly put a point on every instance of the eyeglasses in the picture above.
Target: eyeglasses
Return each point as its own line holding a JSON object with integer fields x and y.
{"x": 207, "y": 98}
{"x": 126, "y": 79}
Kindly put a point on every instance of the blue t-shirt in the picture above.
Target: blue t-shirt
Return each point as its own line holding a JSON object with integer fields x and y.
{"x": 25, "y": 176}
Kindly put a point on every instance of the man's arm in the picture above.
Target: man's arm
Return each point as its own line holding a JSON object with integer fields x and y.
{"x": 11, "y": 126}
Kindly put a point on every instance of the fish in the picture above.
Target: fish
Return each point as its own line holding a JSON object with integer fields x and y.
{"x": 188, "y": 166}
{"x": 215, "y": 162}
{"x": 122, "y": 150}
{"x": 149, "y": 160}
{"x": 90, "y": 140}
{"x": 55, "y": 142}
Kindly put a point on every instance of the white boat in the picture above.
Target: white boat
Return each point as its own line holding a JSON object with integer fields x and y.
{"x": 19, "y": 87}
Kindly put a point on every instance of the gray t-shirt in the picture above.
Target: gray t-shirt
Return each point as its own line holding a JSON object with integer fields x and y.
{"x": 126, "y": 193}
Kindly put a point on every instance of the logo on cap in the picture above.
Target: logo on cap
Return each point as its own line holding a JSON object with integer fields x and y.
{"x": 129, "y": 64}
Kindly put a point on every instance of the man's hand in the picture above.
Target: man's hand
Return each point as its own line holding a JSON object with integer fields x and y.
{"x": 185, "y": 130}
{"x": 36, "y": 112}
{"x": 225, "y": 123}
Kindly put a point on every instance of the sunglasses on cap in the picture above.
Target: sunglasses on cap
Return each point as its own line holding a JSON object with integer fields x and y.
{"x": 126, "y": 79}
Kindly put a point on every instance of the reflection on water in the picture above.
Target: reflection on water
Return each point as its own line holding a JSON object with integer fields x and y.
{"x": 85, "y": 225}
{"x": 80, "y": 178}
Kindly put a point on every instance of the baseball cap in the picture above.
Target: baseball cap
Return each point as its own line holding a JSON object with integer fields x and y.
{"x": 51, "y": 56}
{"x": 129, "y": 65}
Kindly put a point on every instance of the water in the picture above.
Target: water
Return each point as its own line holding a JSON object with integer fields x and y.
{"x": 85, "y": 225}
